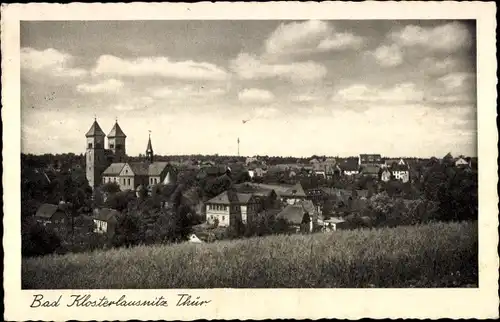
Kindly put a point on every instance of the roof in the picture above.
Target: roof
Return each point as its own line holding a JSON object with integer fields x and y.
{"x": 281, "y": 190}
{"x": 47, "y": 210}
{"x": 95, "y": 130}
{"x": 231, "y": 197}
{"x": 156, "y": 168}
{"x": 399, "y": 167}
{"x": 370, "y": 169}
{"x": 139, "y": 168}
{"x": 334, "y": 220}
{"x": 116, "y": 132}
{"x": 215, "y": 170}
{"x": 149, "y": 148}
{"x": 105, "y": 214}
{"x": 349, "y": 165}
{"x": 295, "y": 213}
{"x": 114, "y": 169}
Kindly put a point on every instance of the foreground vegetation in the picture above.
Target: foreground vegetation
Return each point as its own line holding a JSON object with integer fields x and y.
{"x": 433, "y": 255}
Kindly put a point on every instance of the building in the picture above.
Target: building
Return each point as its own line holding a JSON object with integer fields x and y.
{"x": 302, "y": 216}
{"x": 231, "y": 206}
{"x": 401, "y": 172}
{"x": 129, "y": 175}
{"x": 349, "y": 167}
{"x": 285, "y": 193}
{"x": 105, "y": 221}
{"x": 332, "y": 224}
{"x": 370, "y": 159}
{"x": 371, "y": 170}
{"x": 461, "y": 163}
{"x": 385, "y": 175}
{"x": 50, "y": 215}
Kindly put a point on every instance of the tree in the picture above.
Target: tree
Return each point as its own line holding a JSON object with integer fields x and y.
{"x": 110, "y": 188}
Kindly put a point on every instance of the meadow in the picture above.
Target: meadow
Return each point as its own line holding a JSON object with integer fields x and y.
{"x": 432, "y": 255}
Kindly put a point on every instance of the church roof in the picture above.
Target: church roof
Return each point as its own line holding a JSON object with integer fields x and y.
{"x": 156, "y": 168}
{"x": 95, "y": 130}
{"x": 150, "y": 146}
{"x": 114, "y": 169}
{"x": 116, "y": 132}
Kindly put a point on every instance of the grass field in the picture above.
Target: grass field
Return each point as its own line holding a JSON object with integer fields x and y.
{"x": 435, "y": 255}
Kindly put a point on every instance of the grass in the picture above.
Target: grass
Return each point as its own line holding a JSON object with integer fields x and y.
{"x": 434, "y": 255}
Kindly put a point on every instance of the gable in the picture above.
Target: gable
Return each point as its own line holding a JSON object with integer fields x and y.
{"x": 127, "y": 170}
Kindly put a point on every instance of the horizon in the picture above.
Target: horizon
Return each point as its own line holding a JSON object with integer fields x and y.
{"x": 330, "y": 87}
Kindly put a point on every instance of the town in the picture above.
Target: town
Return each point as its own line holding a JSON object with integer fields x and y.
{"x": 105, "y": 198}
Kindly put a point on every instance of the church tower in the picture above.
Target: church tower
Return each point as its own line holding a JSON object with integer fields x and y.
{"x": 149, "y": 150}
{"x": 95, "y": 158}
{"x": 116, "y": 143}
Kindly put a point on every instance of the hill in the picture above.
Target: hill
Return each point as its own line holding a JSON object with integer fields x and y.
{"x": 433, "y": 255}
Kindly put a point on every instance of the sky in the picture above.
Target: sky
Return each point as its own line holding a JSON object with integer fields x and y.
{"x": 284, "y": 88}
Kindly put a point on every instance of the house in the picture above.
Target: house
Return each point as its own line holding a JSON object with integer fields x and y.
{"x": 332, "y": 224}
{"x": 401, "y": 172}
{"x": 286, "y": 193}
{"x": 349, "y": 167}
{"x": 50, "y": 215}
{"x": 231, "y": 206}
{"x": 370, "y": 170}
{"x": 211, "y": 171}
{"x": 461, "y": 163}
{"x": 385, "y": 175}
{"x": 302, "y": 216}
{"x": 370, "y": 159}
{"x": 105, "y": 221}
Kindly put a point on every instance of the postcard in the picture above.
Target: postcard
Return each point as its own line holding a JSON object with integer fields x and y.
{"x": 250, "y": 160}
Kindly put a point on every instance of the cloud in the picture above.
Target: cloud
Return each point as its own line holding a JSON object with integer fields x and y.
{"x": 305, "y": 98}
{"x": 448, "y": 37}
{"x": 110, "y": 85}
{"x": 49, "y": 61}
{"x": 187, "y": 92}
{"x": 435, "y": 66}
{"x": 247, "y": 66}
{"x": 456, "y": 81}
{"x": 388, "y": 56}
{"x": 255, "y": 95}
{"x": 136, "y": 103}
{"x": 265, "y": 112}
{"x": 309, "y": 37}
{"x": 401, "y": 93}
{"x": 158, "y": 66}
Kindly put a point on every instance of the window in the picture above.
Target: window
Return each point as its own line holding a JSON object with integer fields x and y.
{"x": 90, "y": 167}
{"x": 119, "y": 146}
{"x": 111, "y": 146}
{"x": 90, "y": 146}
{"x": 223, "y": 218}
{"x": 129, "y": 181}
{"x": 126, "y": 170}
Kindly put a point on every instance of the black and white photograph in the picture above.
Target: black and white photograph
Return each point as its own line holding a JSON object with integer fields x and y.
{"x": 253, "y": 154}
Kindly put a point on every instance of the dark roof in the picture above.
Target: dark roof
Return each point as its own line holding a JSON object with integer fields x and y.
{"x": 116, "y": 132}
{"x": 369, "y": 158}
{"x": 114, "y": 169}
{"x": 95, "y": 130}
{"x": 139, "y": 168}
{"x": 214, "y": 170}
{"x": 231, "y": 197}
{"x": 295, "y": 213}
{"x": 349, "y": 165}
{"x": 149, "y": 148}
{"x": 281, "y": 190}
{"x": 156, "y": 168}
{"x": 47, "y": 210}
{"x": 105, "y": 214}
{"x": 370, "y": 169}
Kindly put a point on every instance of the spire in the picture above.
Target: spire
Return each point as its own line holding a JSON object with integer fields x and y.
{"x": 116, "y": 131}
{"x": 95, "y": 129}
{"x": 149, "y": 149}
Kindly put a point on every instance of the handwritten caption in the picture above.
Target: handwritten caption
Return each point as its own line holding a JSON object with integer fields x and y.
{"x": 87, "y": 300}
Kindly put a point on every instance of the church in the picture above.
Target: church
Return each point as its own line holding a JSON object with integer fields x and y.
{"x": 110, "y": 164}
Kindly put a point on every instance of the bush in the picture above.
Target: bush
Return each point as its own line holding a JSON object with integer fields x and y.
{"x": 38, "y": 240}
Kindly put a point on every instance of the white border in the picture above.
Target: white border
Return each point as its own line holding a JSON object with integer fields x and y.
{"x": 259, "y": 303}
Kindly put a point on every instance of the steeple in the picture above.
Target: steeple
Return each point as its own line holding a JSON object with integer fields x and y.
{"x": 149, "y": 150}
{"x": 116, "y": 142}
{"x": 95, "y": 130}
